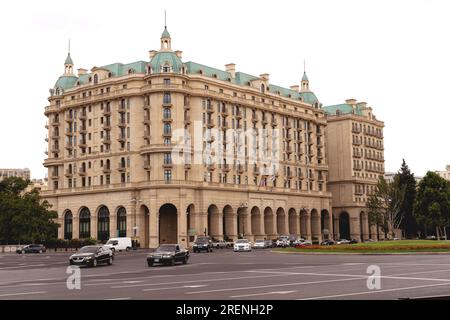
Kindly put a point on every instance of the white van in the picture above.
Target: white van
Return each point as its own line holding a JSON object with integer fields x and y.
{"x": 119, "y": 244}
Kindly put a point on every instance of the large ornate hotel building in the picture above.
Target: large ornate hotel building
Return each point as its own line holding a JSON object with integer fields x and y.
{"x": 114, "y": 141}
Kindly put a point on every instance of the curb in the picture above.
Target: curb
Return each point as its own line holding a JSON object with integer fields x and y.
{"x": 363, "y": 253}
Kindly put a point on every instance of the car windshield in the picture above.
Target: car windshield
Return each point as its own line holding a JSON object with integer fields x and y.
{"x": 202, "y": 240}
{"x": 90, "y": 249}
{"x": 259, "y": 241}
{"x": 165, "y": 248}
{"x": 113, "y": 242}
{"x": 242, "y": 241}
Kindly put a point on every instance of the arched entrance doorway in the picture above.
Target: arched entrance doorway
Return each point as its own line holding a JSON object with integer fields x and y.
{"x": 256, "y": 222}
{"x": 304, "y": 233}
{"x": 121, "y": 222}
{"x": 145, "y": 218}
{"x": 268, "y": 222}
{"x": 103, "y": 224}
{"x": 228, "y": 223}
{"x": 214, "y": 222}
{"x": 85, "y": 223}
{"x": 344, "y": 225}
{"x": 315, "y": 225}
{"x": 325, "y": 224}
{"x": 281, "y": 222}
{"x": 242, "y": 229}
{"x": 293, "y": 222}
{"x": 168, "y": 224}
{"x": 68, "y": 225}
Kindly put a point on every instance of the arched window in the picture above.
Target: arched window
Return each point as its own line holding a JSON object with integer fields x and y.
{"x": 103, "y": 224}
{"x": 85, "y": 223}
{"x": 122, "y": 222}
{"x": 167, "y": 128}
{"x": 166, "y": 67}
{"x": 130, "y": 71}
{"x": 68, "y": 228}
{"x": 95, "y": 78}
{"x": 167, "y": 113}
{"x": 263, "y": 88}
{"x": 58, "y": 91}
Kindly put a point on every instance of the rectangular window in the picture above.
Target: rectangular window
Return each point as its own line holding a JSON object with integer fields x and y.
{"x": 167, "y": 176}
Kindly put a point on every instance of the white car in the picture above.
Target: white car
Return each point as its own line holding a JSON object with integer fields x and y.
{"x": 343, "y": 241}
{"x": 242, "y": 245}
{"x": 259, "y": 244}
{"x": 119, "y": 244}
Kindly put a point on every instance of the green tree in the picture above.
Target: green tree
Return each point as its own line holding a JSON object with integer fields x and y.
{"x": 408, "y": 222}
{"x": 432, "y": 204}
{"x": 24, "y": 217}
{"x": 384, "y": 205}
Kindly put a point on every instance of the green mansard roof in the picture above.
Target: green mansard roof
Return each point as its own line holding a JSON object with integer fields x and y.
{"x": 168, "y": 57}
{"x": 343, "y": 108}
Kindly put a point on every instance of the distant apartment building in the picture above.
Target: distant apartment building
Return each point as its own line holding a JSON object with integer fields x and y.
{"x": 446, "y": 173}
{"x": 20, "y": 173}
{"x": 355, "y": 152}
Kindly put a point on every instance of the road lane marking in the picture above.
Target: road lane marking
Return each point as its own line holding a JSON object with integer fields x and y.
{"x": 22, "y": 293}
{"x": 263, "y": 294}
{"x": 398, "y": 277}
{"x": 171, "y": 288}
{"x": 272, "y": 286}
{"x": 194, "y": 281}
{"x": 113, "y": 299}
{"x": 374, "y": 291}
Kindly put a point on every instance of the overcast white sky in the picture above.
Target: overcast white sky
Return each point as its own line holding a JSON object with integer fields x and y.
{"x": 395, "y": 55}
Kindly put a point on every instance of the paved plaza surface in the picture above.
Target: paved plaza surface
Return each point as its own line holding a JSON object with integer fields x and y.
{"x": 226, "y": 275}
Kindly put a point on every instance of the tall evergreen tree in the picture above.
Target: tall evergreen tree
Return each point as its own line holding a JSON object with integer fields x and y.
{"x": 407, "y": 181}
{"x": 432, "y": 205}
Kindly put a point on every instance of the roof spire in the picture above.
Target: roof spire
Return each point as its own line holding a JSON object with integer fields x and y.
{"x": 165, "y": 20}
{"x": 305, "y": 77}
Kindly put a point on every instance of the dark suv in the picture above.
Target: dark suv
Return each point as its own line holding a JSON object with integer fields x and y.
{"x": 203, "y": 244}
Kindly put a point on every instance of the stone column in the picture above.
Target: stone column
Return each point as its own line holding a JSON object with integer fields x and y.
{"x": 113, "y": 225}
{"x": 75, "y": 226}
{"x": 337, "y": 234}
{"x": 182, "y": 226}
{"x": 355, "y": 228}
{"x": 286, "y": 222}
{"x": 94, "y": 223}
{"x": 248, "y": 226}
{"x": 308, "y": 226}
{"x": 154, "y": 224}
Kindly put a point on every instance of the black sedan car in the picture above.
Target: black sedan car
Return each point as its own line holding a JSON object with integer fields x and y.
{"x": 32, "y": 248}
{"x": 91, "y": 256}
{"x": 203, "y": 244}
{"x": 327, "y": 242}
{"x": 168, "y": 254}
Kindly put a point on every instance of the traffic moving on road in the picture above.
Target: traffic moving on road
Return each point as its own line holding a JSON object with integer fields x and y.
{"x": 228, "y": 275}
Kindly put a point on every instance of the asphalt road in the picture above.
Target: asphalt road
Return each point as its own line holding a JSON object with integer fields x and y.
{"x": 226, "y": 275}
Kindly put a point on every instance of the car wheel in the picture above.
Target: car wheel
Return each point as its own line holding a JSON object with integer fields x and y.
{"x": 172, "y": 262}
{"x": 185, "y": 260}
{"x": 94, "y": 263}
{"x": 23, "y": 251}
{"x": 127, "y": 249}
{"x": 40, "y": 251}
{"x": 110, "y": 261}
{"x": 150, "y": 264}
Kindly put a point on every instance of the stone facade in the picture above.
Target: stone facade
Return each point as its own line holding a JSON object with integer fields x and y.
{"x": 356, "y": 160}
{"x": 111, "y": 139}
